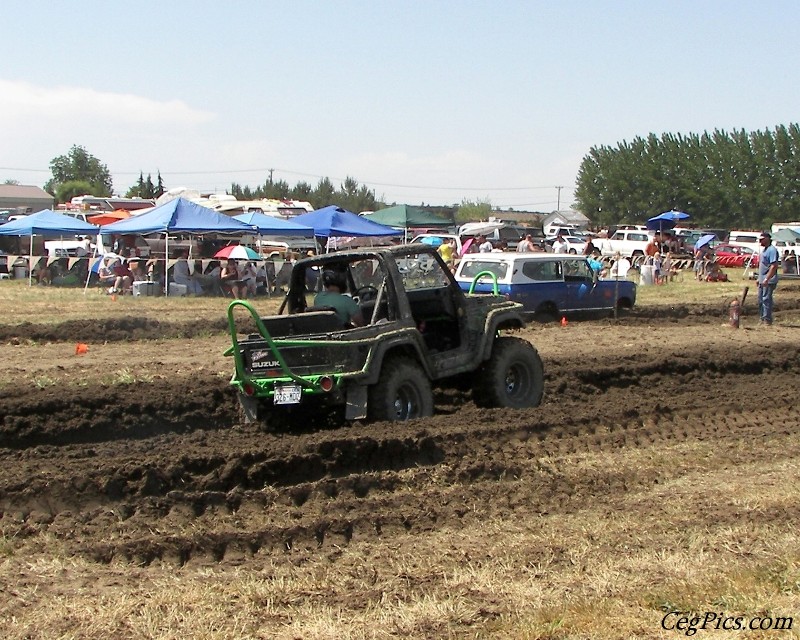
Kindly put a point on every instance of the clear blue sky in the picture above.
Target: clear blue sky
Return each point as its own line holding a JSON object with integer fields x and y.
{"x": 423, "y": 101}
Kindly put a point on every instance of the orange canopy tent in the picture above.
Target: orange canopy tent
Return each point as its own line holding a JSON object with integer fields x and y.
{"x": 108, "y": 217}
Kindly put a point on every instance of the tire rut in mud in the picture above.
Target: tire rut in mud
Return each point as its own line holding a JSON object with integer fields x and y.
{"x": 187, "y": 488}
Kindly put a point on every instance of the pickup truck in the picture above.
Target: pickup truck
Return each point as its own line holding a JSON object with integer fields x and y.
{"x": 629, "y": 243}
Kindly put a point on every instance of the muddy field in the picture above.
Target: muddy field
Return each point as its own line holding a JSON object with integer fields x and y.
{"x": 124, "y": 477}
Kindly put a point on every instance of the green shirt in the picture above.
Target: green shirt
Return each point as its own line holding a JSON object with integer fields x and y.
{"x": 344, "y": 306}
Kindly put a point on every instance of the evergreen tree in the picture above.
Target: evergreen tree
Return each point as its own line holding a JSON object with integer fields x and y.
{"x": 159, "y": 186}
{"x": 734, "y": 180}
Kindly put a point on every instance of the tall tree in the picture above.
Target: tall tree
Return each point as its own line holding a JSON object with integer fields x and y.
{"x": 469, "y": 211}
{"x": 79, "y": 165}
{"x": 159, "y": 186}
{"x": 735, "y": 180}
{"x": 71, "y": 188}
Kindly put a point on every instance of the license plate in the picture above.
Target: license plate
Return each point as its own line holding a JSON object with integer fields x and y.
{"x": 287, "y": 394}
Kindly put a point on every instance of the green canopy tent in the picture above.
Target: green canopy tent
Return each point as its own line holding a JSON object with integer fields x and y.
{"x": 405, "y": 216}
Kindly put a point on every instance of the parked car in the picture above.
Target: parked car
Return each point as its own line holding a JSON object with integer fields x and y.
{"x": 496, "y": 233}
{"x": 576, "y": 244}
{"x": 436, "y": 239}
{"x": 729, "y": 255}
{"x": 749, "y": 239}
{"x": 547, "y": 285}
{"x": 689, "y": 237}
{"x": 629, "y": 243}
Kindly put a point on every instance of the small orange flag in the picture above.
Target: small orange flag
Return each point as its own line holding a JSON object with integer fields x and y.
{"x": 81, "y": 348}
{"x": 563, "y": 321}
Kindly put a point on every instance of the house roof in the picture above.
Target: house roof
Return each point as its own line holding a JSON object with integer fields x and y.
{"x": 24, "y": 192}
{"x": 569, "y": 216}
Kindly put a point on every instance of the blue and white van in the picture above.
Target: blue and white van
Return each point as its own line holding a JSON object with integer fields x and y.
{"x": 548, "y": 285}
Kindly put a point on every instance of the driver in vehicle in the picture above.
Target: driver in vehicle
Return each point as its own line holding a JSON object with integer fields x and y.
{"x": 332, "y": 296}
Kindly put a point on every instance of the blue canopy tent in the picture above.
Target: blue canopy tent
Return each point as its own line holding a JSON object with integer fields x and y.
{"x": 666, "y": 220}
{"x": 177, "y": 216}
{"x": 47, "y": 223}
{"x": 332, "y": 221}
{"x": 274, "y": 226}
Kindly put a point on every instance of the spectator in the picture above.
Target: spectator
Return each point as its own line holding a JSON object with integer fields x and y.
{"x": 526, "y": 244}
{"x": 767, "y": 277}
{"x": 446, "y": 250}
{"x": 594, "y": 262}
{"x": 484, "y": 245}
{"x": 155, "y": 273}
{"x": 700, "y": 258}
{"x": 651, "y": 248}
{"x": 181, "y": 274}
{"x": 123, "y": 280}
{"x": 620, "y": 266}
{"x": 788, "y": 263}
{"x": 248, "y": 275}
{"x": 560, "y": 245}
{"x": 230, "y": 281}
{"x": 105, "y": 273}
{"x": 137, "y": 269}
{"x": 211, "y": 279}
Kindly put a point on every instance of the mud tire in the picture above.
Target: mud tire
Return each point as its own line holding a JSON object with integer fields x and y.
{"x": 512, "y": 377}
{"x": 403, "y": 392}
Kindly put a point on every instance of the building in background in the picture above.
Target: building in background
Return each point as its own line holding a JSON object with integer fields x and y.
{"x": 19, "y": 199}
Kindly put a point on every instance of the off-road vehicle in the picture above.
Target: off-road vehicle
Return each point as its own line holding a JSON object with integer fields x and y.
{"x": 420, "y": 329}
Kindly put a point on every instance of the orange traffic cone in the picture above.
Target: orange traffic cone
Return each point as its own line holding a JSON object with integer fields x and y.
{"x": 563, "y": 321}
{"x": 81, "y": 348}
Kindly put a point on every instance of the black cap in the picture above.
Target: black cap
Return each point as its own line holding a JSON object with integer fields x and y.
{"x": 334, "y": 278}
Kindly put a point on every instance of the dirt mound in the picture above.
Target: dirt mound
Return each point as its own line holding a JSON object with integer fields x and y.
{"x": 143, "y": 473}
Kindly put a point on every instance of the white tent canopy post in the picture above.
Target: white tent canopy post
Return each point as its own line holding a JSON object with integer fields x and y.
{"x": 89, "y": 270}
{"x": 166, "y": 264}
{"x": 30, "y": 263}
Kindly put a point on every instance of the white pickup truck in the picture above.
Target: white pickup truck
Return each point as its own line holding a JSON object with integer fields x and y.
{"x": 630, "y": 243}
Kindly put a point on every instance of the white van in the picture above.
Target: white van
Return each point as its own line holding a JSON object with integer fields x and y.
{"x": 747, "y": 239}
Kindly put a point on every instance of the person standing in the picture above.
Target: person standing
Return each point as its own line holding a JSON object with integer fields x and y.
{"x": 446, "y": 251}
{"x": 768, "y": 262}
{"x": 560, "y": 244}
{"x": 526, "y": 244}
{"x": 484, "y": 245}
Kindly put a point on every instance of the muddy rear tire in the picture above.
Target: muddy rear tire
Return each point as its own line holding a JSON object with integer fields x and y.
{"x": 403, "y": 392}
{"x": 512, "y": 377}
{"x": 250, "y": 410}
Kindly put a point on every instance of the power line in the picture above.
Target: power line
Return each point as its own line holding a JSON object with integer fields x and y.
{"x": 310, "y": 175}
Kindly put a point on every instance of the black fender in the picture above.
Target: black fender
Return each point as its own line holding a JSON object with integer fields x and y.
{"x": 408, "y": 342}
{"x": 496, "y": 321}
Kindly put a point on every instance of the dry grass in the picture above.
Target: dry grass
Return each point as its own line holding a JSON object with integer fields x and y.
{"x": 22, "y": 303}
{"x": 603, "y": 572}
{"x": 694, "y": 541}
{"x": 37, "y": 304}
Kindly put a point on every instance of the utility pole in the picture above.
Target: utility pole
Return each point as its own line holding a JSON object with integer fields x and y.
{"x": 270, "y": 175}
{"x": 558, "y": 205}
